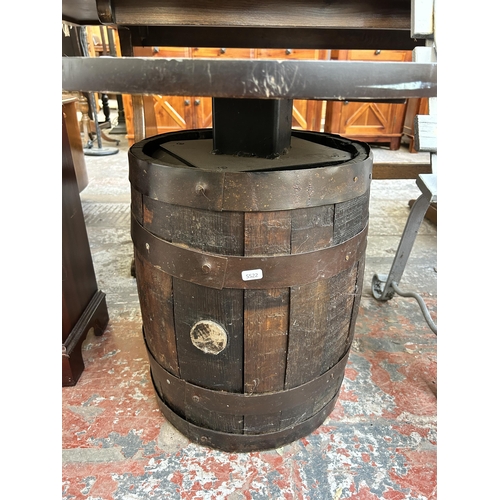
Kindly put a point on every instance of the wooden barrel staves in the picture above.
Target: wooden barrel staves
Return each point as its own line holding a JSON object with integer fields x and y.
{"x": 249, "y": 274}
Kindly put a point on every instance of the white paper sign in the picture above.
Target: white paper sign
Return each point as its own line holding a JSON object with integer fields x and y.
{"x": 252, "y": 274}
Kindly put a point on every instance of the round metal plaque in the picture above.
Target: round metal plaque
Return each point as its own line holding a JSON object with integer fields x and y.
{"x": 209, "y": 337}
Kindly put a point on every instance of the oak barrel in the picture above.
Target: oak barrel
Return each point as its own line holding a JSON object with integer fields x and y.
{"x": 249, "y": 274}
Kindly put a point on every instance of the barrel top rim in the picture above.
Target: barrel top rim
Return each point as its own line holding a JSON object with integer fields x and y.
{"x": 250, "y": 191}
{"x": 143, "y": 150}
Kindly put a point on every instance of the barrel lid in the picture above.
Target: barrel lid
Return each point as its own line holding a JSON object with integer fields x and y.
{"x": 200, "y": 154}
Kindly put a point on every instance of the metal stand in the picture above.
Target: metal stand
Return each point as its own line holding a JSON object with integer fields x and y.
{"x": 89, "y": 150}
{"x": 121, "y": 127}
{"x": 385, "y": 286}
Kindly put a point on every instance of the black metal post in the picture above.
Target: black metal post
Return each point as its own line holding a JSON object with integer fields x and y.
{"x": 252, "y": 127}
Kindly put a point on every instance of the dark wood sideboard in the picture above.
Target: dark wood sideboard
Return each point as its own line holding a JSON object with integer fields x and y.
{"x": 83, "y": 304}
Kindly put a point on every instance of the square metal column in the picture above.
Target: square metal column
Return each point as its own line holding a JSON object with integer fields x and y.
{"x": 252, "y": 127}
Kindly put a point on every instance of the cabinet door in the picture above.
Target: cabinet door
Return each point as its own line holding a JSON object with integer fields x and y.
{"x": 307, "y": 115}
{"x": 173, "y": 113}
{"x": 170, "y": 112}
{"x": 202, "y": 112}
{"x": 368, "y": 121}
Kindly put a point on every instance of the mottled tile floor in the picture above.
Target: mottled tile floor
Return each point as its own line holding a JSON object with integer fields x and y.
{"x": 379, "y": 442}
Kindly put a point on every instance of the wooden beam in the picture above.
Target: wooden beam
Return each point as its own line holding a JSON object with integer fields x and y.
{"x": 362, "y": 14}
{"x": 386, "y": 171}
{"x": 252, "y": 37}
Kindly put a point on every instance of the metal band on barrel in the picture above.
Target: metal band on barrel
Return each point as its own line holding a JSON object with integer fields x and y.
{"x": 241, "y": 443}
{"x": 182, "y": 393}
{"x": 251, "y": 191}
{"x": 225, "y": 271}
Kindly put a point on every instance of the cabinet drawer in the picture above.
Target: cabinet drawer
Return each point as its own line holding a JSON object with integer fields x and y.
{"x": 376, "y": 55}
{"x": 175, "y": 52}
{"x": 227, "y": 53}
{"x": 291, "y": 54}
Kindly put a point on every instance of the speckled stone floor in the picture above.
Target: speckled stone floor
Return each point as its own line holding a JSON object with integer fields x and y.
{"x": 380, "y": 442}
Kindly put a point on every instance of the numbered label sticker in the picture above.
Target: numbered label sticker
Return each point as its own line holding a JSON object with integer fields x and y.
{"x": 252, "y": 274}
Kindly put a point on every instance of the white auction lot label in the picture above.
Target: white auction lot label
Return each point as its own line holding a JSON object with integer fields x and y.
{"x": 252, "y": 274}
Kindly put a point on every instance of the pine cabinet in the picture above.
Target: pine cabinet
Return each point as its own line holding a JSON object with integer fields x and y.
{"x": 190, "y": 112}
{"x": 372, "y": 122}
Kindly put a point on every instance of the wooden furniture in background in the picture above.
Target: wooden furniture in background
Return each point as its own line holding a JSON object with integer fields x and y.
{"x": 83, "y": 304}
{"x": 414, "y": 107}
{"x": 163, "y": 114}
{"x": 101, "y": 42}
{"x": 88, "y": 126}
{"x": 372, "y": 122}
{"x": 69, "y": 109}
{"x": 307, "y": 114}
